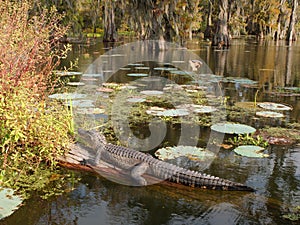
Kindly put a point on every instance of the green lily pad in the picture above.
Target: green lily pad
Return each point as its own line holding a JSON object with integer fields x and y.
{"x": 154, "y": 110}
{"x": 269, "y": 114}
{"x": 205, "y": 109}
{"x": 81, "y": 103}
{"x": 68, "y": 73}
{"x": 136, "y": 64}
{"x": 135, "y": 100}
{"x": 66, "y": 96}
{"x": 193, "y": 153}
{"x": 92, "y": 75}
{"x": 274, "y": 106}
{"x": 75, "y": 83}
{"x": 137, "y": 74}
{"x": 151, "y": 92}
{"x": 250, "y": 151}
{"x": 233, "y": 128}
{"x": 165, "y": 68}
{"x": 125, "y": 68}
{"x": 142, "y": 68}
{"x": 8, "y": 202}
{"x": 173, "y": 112}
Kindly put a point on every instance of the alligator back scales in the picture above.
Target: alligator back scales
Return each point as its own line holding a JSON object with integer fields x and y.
{"x": 126, "y": 158}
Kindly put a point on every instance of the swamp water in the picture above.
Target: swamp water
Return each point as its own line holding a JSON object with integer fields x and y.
{"x": 270, "y": 68}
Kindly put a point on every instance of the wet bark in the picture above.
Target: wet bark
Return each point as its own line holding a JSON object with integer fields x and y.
{"x": 221, "y": 37}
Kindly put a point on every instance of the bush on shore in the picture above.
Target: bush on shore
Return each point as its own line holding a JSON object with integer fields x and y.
{"x": 33, "y": 130}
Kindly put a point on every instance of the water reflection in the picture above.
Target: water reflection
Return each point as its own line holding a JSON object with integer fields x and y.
{"x": 277, "y": 178}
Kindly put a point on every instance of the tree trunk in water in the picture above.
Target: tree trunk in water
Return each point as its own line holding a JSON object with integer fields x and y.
{"x": 208, "y": 31}
{"x": 291, "y": 34}
{"x": 280, "y": 33}
{"x": 221, "y": 37}
{"x": 110, "y": 31}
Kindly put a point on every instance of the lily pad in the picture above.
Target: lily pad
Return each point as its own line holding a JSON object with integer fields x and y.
{"x": 75, "y": 84}
{"x": 136, "y": 64}
{"x": 154, "y": 110}
{"x": 81, "y": 103}
{"x": 137, "y": 74}
{"x": 233, "y": 128}
{"x": 136, "y": 100}
{"x": 270, "y": 114}
{"x": 205, "y": 109}
{"x": 92, "y": 75}
{"x": 131, "y": 87}
{"x": 250, "y": 151}
{"x": 179, "y": 72}
{"x": 8, "y": 202}
{"x": 66, "y": 96}
{"x": 151, "y": 92}
{"x": 105, "y": 90}
{"x": 173, "y": 112}
{"x": 68, "y": 73}
{"x": 193, "y": 153}
{"x": 142, "y": 68}
{"x": 165, "y": 68}
{"x": 274, "y": 106}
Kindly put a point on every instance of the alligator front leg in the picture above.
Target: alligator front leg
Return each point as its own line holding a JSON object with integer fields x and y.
{"x": 137, "y": 171}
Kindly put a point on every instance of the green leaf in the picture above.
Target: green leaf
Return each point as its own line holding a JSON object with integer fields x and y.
{"x": 8, "y": 202}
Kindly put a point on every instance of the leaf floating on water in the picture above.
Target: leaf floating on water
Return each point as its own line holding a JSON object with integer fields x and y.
{"x": 173, "y": 112}
{"x": 270, "y": 114}
{"x": 165, "y": 68}
{"x": 233, "y": 128}
{"x": 8, "y": 202}
{"x": 151, "y": 92}
{"x": 66, "y": 96}
{"x": 75, "y": 84}
{"x": 274, "y": 106}
{"x": 193, "y": 153}
{"x": 250, "y": 151}
{"x": 137, "y": 74}
{"x": 135, "y": 99}
{"x": 154, "y": 110}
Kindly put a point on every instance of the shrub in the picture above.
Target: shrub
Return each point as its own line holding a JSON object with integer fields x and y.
{"x": 33, "y": 131}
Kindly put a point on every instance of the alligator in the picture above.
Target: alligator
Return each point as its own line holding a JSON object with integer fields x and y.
{"x": 139, "y": 163}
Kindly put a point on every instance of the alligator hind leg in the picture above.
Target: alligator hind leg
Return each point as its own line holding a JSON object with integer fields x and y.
{"x": 137, "y": 171}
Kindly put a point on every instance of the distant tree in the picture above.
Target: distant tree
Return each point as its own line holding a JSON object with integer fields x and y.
{"x": 109, "y": 25}
{"x": 164, "y": 20}
{"x": 221, "y": 36}
{"x": 291, "y": 33}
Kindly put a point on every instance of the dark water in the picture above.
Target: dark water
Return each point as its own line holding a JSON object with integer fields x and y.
{"x": 276, "y": 179}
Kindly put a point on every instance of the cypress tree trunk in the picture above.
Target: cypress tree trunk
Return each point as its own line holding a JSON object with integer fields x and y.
{"x": 291, "y": 33}
{"x": 221, "y": 37}
{"x": 110, "y": 31}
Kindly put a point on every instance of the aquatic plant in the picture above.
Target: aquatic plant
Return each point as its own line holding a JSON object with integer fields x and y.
{"x": 232, "y": 128}
{"x": 248, "y": 139}
{"x": 294, "y": 215}
{"x": 251, "y": 151}
{"x": 9, "y": 202}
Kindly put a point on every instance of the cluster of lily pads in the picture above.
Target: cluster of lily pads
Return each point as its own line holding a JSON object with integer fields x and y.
{"x": 169, "y": 102}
